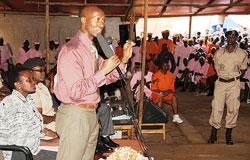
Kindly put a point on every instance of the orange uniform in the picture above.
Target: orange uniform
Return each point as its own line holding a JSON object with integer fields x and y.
{"x": 166, "y": 82}
{"x": 211, "y": 45}
{"x": 211, "y": 72}
{"x": 151, "y": 47}
{"x": 169, "y": 42}
{"x": 119, "y": 51}
{"x": 210, "y": 55}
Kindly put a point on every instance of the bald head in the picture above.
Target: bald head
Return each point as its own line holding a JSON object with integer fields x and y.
{"x": 92, "y": 21}
{"x": 89, "y": 10}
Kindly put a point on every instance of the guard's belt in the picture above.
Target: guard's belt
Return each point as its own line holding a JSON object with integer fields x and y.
{"x": 229, "y": 80}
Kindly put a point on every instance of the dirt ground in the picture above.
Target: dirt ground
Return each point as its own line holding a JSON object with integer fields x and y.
{"x": 189, "y": 140}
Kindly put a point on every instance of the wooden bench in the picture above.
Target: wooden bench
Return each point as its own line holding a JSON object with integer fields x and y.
{"x": 161, "y": 130}
{"x": 129, "y": 128}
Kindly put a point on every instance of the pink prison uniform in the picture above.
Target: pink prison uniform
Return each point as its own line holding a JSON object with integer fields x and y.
{"x": 203, "y": 47}
{"x": 203, "y": 70}
{"x": 5, "y": 55}
{"x": 136, "y": 56}
{"x": 137, "y": 77}
{"x": 34, "y": 53}
{"x": 77, "y": 84}
{"x": 182, "y": 52}
{"x": 246, "y": 76}
{"x": 22, "y": 56}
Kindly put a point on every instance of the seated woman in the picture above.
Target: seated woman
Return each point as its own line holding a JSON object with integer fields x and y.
{"x": 20, "y": 122}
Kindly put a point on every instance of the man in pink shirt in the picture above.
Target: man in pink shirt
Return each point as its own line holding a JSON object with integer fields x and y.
{"x": 192, "y": 65}
{"x": 4, "y": 55}
{"x": 181, "y": 52}
{"x": 80, "y": 73}
{"x": 23, "y": 52}
{"x": 35, "y": 51}
{"x": 136, "y": 54}
{"x": 201, "y": 75}
{"x": 135, "y": 82}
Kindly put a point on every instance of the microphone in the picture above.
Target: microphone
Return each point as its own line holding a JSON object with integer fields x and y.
{"x": 108, "y": 52}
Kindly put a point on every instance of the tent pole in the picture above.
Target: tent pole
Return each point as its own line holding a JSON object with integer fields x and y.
{"x": 190, "y": 27}
{"x": 143, "y": 60}
{"x": 47, "y": 36}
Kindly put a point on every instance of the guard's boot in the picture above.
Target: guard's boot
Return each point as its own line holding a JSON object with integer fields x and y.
{"x": 228, "y": 136}
{"x": 213, "y": 137}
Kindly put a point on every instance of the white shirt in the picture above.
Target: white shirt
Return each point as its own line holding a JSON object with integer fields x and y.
{"x": 20, "y": 123}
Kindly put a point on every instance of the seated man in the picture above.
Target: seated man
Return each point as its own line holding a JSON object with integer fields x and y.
{"x": 201, "y": 76}
{"x": 136, "y": 81}
{"x": 20, "y": 122}
{"x": 163, "y": 90}
{"x": 192, "y": 65}
{"x": 182, "y": 74}
{"x": 105, "y": 118}
{"x": 42, "y": 95}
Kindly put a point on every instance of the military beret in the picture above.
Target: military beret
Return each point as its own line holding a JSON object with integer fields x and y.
{"x": 33, "y": 62}
{"x": 233, "y": 32}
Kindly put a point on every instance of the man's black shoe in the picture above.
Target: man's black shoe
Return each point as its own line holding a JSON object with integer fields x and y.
{"x": 103, "y": 148}
{"x": 99, "y": 153}
{"x": 109, "y": 142}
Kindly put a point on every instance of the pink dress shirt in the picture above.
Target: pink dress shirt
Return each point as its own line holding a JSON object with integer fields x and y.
{"x": 5, "y": 55}
{"x": 22, "y": 56}
{"x": 77, "y": 81}
{"x": 34, "y": 53}
{"x": 137, "y": 77}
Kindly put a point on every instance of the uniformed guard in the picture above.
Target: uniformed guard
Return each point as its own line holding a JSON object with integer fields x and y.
{"x": 230, "y": 63}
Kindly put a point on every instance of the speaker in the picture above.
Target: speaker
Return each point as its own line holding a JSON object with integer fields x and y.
{"x": 152, "y": 113}
{"x": 124, "y": 33}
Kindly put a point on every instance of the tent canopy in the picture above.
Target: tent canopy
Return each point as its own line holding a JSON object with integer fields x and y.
{"x": 122, "y": 8}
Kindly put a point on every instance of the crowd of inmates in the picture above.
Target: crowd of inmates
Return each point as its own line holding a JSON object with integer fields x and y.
{"x": 190, "y": 60}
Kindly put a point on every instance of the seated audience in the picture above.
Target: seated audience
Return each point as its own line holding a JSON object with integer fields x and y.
{"x": 41, "y": 97}
{"x": 20, "y": 122}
